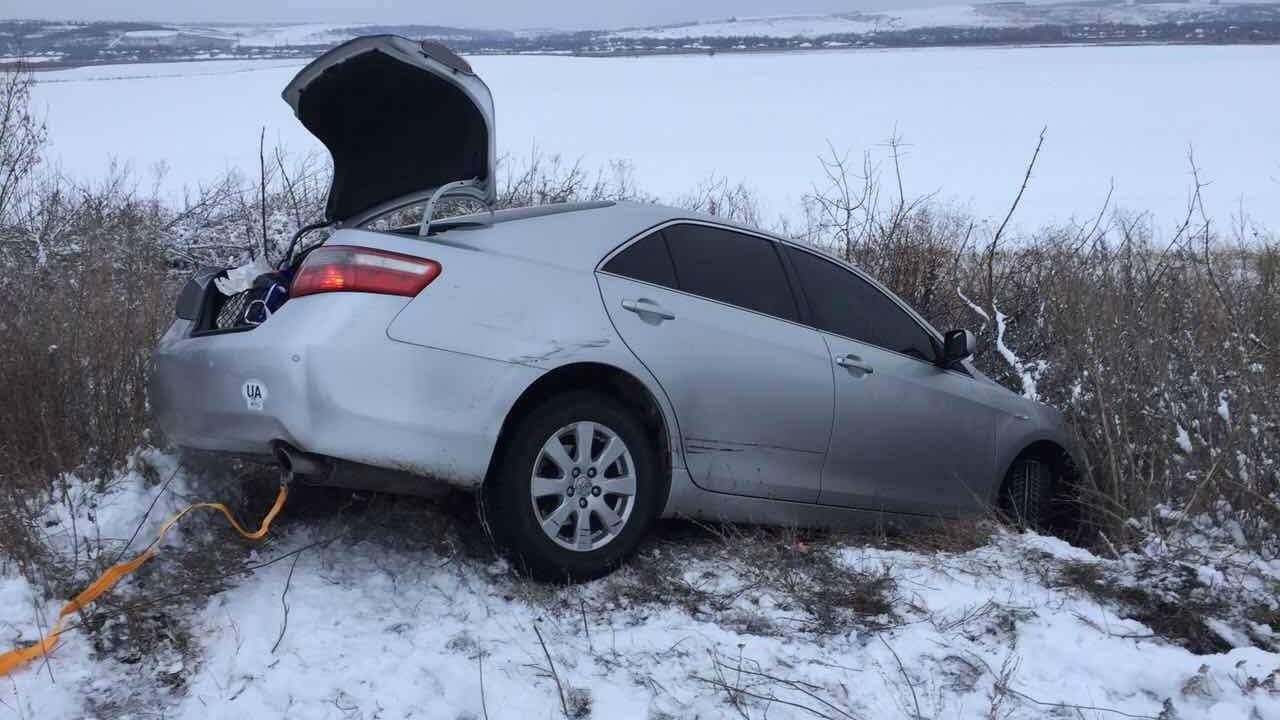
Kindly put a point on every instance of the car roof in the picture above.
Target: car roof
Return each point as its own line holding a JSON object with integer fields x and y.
{"x": 571, "y": 235}
{"x": 579, "y": 235}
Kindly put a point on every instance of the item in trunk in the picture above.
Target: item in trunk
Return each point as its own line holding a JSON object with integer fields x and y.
{"x": 259, "y": 309}
{"x": 231, "y": 314}
{"x": 251, "y": 307}
{"x": 242, "y": 278}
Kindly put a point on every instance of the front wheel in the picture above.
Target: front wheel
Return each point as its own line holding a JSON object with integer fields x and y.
{"x": 1027, "y": 496}
{"x": 576, "y": 488}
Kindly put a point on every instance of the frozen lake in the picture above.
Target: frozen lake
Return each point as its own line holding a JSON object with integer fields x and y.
{"x": 969, "y": 116}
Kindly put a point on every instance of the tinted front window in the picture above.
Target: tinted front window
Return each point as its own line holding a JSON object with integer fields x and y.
{"x": 731, "y": 267}
{"x": 647, "y": 259}
{"x": 845, "y": 304}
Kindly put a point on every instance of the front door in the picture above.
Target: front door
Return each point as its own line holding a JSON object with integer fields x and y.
{"x": 908, "y": 436}
{"x": 711, "y": 314}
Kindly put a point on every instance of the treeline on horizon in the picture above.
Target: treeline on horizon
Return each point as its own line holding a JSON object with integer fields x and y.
{"x": 93, "y": 43}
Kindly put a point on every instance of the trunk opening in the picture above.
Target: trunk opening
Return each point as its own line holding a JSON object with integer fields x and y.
{"x": 240, "y": 311}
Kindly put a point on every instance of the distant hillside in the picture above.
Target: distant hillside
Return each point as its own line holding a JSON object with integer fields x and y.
{"x": 985, "y": 15}
{"x": 48, "y": 44}
{"x": 69, "y": 43}
{"x": 324, "y": 35}
{"x": 997, "y": 23}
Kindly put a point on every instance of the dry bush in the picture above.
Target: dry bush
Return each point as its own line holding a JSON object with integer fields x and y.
{"x": 22, "y": 135}
{"x": 541, "y": 178}
{"x": 717, "y": 196}
{"x": 81, "y": 303}
{"x": 1143, "y": 343}
{"x": 237, "y": 219}
{"x": 89, "y": 277}
{"x": 1132, "y": 335}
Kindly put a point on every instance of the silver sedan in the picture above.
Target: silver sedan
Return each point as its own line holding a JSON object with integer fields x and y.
{"x": 588, "y": 367}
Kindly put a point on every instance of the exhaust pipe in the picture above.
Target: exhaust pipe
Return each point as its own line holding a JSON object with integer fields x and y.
{"x": 294, "y": 463}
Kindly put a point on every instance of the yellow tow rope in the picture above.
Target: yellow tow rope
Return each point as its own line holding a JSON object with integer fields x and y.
{"x": 15, "y": 659}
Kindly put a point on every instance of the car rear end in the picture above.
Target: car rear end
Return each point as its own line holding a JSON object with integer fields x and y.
{"x": 405, "y": 349}
{"x": 319, "y": 373}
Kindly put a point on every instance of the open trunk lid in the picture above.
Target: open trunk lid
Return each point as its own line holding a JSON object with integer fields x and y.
{"x": 398, "y": 118}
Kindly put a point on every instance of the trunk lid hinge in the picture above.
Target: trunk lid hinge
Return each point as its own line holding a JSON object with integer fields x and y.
{"x": 470, "y": 189}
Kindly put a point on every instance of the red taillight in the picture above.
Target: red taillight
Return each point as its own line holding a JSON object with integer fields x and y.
{"x": 345, "y": 268}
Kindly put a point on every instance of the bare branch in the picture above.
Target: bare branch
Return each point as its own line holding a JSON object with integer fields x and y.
{"x": 995, "y": 239}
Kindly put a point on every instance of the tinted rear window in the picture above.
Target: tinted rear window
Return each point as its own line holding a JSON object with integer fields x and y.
{"x": 647, "y": 259}
{"x": 844, "y": 304}
{"x": 735, "y": 268}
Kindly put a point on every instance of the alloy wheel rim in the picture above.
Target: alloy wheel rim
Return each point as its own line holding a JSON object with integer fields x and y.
{"x": 583, "y": 486}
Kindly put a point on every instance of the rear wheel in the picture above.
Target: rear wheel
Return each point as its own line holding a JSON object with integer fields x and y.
{"x": 576, "y": 488}
{"x": 1027, "y": 497}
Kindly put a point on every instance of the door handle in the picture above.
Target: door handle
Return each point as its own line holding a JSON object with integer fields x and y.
{"x": 647, "y": 307}
{"x": 853, "y": 362}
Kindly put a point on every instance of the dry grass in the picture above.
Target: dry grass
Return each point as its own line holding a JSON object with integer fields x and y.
{"x": 765, "y": 581}
{"x": 1177, "y": 609}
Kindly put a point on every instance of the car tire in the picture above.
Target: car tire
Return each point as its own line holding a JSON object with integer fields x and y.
{"x": 592, "y": 524}
{"x": 1026, "y": 499}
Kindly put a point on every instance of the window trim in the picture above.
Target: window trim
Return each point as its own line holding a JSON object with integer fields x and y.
{"x": 802, "y": 309}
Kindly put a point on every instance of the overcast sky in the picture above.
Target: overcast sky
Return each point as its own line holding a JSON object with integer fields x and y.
{"x": 475, "y": 13}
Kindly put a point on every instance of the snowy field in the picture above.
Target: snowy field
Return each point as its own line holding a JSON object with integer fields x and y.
{"x": 970, "y": 119}
{"x": 400, "y": 610}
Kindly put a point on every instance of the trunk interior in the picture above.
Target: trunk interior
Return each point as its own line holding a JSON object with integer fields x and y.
{"x": 392, "y": 129}
{"x": 244, "y": 310}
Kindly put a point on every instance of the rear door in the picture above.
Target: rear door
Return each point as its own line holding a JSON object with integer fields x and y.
{"x": 909, "y": 436}
{"x": 712, "y": 314}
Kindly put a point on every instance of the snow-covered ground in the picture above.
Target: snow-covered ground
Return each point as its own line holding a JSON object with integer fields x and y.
{"x": 399, "y": 609}
{"x": 969, "y": 118}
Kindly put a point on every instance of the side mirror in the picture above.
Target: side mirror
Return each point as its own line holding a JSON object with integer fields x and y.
{"x": 957, "y": 345}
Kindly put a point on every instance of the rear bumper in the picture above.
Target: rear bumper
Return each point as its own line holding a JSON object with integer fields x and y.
{"x": 322, "y": 375}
